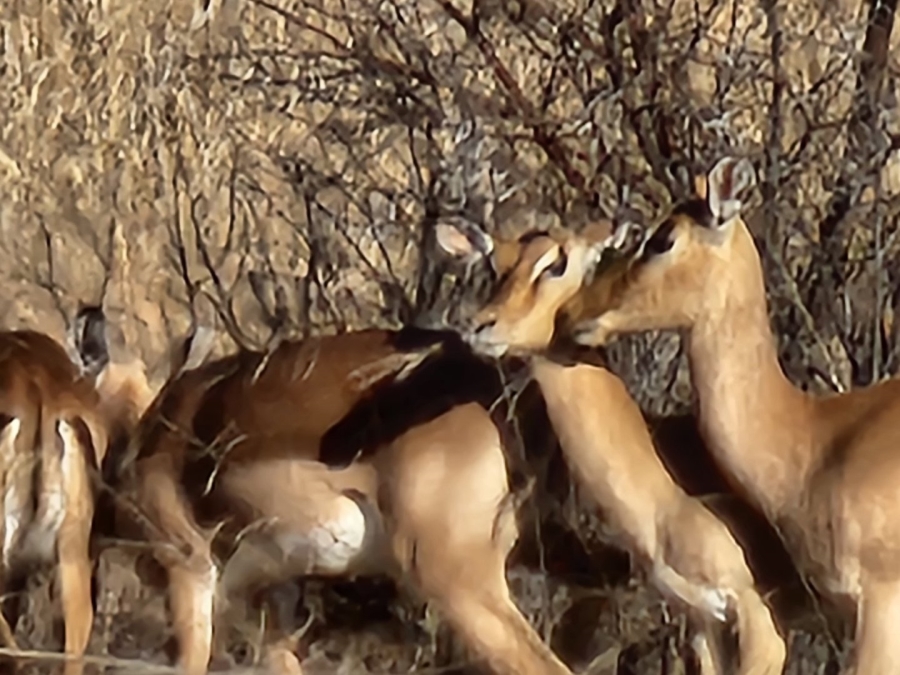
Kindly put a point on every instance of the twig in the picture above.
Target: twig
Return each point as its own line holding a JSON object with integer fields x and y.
{"x": 130, "y": 665}
{"x": 548, "y": 141}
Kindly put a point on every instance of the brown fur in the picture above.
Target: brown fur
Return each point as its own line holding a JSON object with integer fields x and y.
{"x": 825, "y": 469}
{"x": 606, "y": 441}
{"x": 243, "y": 443}
{"x": 61, "y": 426}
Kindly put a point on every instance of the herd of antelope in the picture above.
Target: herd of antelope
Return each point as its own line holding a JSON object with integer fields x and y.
{"x": 382, "y": 452}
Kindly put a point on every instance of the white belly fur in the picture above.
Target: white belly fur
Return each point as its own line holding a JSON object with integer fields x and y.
{"x": 309, "y": 520}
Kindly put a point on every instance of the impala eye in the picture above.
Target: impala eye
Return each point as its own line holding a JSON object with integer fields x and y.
{"x": 558, "y": 268}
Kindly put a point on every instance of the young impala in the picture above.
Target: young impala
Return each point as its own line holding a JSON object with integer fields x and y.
{"x": 825, "y": 469}
{"x": 57, "y": 430}
{"x": 690, "y": 554}
{"x": 231, "y": 448}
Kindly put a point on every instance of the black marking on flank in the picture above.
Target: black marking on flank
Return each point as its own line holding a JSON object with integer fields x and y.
{"x": 660, "y": 241}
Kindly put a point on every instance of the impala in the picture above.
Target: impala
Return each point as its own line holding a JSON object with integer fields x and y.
{"x": 57, "y": 428}
{"x": 231, "y": 447}
{"x": 824, "y": 469}
{"x": 690, "y": 554}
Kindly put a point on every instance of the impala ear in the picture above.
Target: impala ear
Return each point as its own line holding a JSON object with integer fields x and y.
{"x": 464, "y": 241}
{"x": 626, "y": 238}
{"x": 700, "y": 186}
{"x": 622, "y": 239}
{"x": 727, "y": 186}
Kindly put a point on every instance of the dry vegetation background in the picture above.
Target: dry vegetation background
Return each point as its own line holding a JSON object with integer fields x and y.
{"x": 271, "y": 167}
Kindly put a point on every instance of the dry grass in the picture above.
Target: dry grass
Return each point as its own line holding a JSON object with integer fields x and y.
{"x": 271, "y": 167}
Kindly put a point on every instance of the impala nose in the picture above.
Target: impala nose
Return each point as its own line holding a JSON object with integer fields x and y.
{"x": 480, "y": 330}
{"x": 483, "y": 336}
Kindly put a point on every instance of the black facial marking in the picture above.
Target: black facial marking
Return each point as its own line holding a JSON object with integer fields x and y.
{"x": 661, "y": 240}
{"x": 558, "y": 268}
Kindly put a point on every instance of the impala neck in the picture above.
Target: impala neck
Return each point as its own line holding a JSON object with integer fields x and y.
{"x": 754, "y": 420}
{"x": 606, "y": 444}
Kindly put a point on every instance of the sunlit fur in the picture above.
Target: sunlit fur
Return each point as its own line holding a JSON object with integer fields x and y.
{"x": 430, "y": 504}
{"x": 520, "y": 314}
{"x": 48, "y": 471}
{"x": 635, "y": 292}
{"x": 825, "y": 469}
{"x": 690, "y": 555}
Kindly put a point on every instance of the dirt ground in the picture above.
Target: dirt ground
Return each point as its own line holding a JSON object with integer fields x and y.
{"x": 618, "y": 625}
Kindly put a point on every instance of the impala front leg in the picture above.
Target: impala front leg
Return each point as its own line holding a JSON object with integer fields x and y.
{"x": 877, "y": 649}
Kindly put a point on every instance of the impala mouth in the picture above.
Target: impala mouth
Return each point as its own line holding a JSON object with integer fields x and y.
{"x": 592, "y": 333}
{"x": 482, "y": 343}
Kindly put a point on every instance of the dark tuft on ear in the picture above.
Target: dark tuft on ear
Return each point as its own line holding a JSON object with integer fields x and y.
{"x": 89, "y": 339}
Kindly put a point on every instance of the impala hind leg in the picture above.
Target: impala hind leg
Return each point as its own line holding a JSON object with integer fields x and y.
{"x": 451, "y": 520}
{"x": 13, "y": 506}
{"x": 191, "y": 596}
{"x": 762, "y": 649}
{"x": 469, "y": 588}
{"x": 877, "y": 646}
{"x": 180, "y": 546}
{"x": 464, "y": 577}
{"x": 707, "y": 650}
{"x": 75, "y": 586}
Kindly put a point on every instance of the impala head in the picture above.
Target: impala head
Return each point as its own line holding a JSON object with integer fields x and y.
{"x": 680, "y": 273}
{"x": 537, "y": 273}
{"x": 88, "y": 339}
{"x": 122, "y": 384}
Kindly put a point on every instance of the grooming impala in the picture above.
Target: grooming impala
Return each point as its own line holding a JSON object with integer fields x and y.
{"x": 57, "y": 430}
{"x": 690, "y": 555}
{"x": 825, "y": 469}
{"x": 235, "y": 443}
